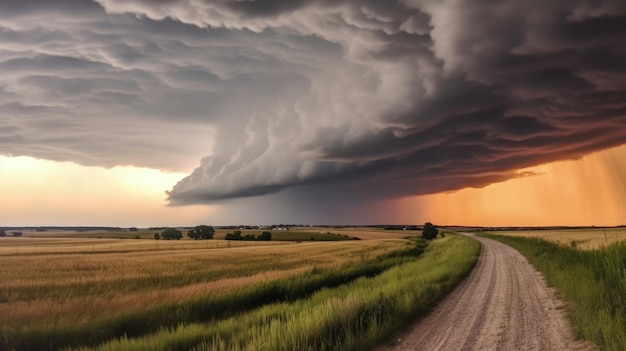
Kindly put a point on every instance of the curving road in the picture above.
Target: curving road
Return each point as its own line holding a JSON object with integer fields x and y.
{"x": 504, "y": 304}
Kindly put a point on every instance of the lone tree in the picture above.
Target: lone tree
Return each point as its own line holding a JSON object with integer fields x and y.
{"x": 430, "y": 231}
{"x": 171, "y": 234}
{"x": 201, "y": 232}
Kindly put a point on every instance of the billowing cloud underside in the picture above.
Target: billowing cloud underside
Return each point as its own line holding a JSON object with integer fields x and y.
{"x": 409, "y": 96}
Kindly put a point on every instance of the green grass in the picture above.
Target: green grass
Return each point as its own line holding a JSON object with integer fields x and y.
{"x": 592, "y": 282}
{"x": 356, "y": 315}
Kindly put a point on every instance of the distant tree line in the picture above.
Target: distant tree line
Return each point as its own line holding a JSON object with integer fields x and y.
{"x": 207, "y": 232}
{"x": 236, "y": 235}
{"x": 201, "y": 232}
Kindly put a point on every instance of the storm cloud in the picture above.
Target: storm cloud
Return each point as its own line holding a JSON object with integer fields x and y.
{"x": 386, "y": 98}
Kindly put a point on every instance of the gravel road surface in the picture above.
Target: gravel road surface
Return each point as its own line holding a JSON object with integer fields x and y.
{"x": 504, "y": 304}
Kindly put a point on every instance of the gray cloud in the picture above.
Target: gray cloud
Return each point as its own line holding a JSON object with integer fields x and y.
{"x": 384, "y": 98}
{"x": 102, "y": 89}
{"x": 458, "y": 95}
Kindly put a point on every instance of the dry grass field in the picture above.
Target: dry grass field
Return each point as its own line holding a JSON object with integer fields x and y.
{"x": 366, "y": 233}
{"x": 10, "y": 246}
{"x": 47, "y": 289}
{"x": 99, "y": 241}
{"x": 293, "y": 234}
{"x": 583, "y": 239}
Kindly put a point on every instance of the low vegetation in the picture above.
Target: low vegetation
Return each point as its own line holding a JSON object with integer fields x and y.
{"x": 584, "y": 239}
{"x": 430, "y": 231}
{"x": 593, "y": 282}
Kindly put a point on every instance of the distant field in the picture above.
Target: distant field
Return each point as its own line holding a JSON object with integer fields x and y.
{"x": 372, "y": 234}
{"x": 294, "y": 234}
{"x": 10, "y": 246}
{"x": 583, "y": 239}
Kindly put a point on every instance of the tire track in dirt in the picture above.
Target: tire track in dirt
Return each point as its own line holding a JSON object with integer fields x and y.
{"x": 504, "y": 304}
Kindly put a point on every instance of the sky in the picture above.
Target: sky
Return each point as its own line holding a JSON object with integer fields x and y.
{"x": 181, "y": 112}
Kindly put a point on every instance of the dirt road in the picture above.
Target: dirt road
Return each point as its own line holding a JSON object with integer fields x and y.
{"x": 503, "y": 305}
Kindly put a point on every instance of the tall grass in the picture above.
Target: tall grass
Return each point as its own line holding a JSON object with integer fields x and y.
{"x": 585, "y": 239}
{"x": 206, "y": 307}
{"x": 593, "y": 282}
{"x": 48, "y": 301}
{"x": 353, "y": 316}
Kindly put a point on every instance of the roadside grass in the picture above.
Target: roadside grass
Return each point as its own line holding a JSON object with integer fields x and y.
{"x": 583, "y": 239}
{"x": 356, "y": 315}
{"x": 592, "y": 282}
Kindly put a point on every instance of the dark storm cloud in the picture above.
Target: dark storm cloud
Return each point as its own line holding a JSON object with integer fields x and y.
{"x": 484, "y": 90}
{"x": 389, "y": 98}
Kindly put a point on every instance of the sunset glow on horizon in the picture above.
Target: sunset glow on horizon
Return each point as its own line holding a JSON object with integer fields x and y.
{"x": 48, "y": 193}
{"x": 581, "y": 192}
{"x": 585, "y": 192}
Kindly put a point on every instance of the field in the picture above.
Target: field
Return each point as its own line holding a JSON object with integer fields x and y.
{"x": 588, "y": 272}
{"x": 30, "y": 245}
{"x": 81, "y": 242}
{"x": 293, "y": 234}
{"x": 103, "y": 289}
{"x": 584, "y": 239}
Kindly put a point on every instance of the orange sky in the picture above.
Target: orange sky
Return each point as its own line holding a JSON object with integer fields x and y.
{"x": 40, "y": 192}
{"x": 589, "y": 191}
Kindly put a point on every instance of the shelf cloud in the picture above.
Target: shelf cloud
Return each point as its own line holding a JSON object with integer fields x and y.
{"x": 388, "y": 98}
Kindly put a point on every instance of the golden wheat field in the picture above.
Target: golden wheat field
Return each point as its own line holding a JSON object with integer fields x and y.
{"x": 583, "y": 239}
{"x": 49, "y": 245}
{"x": 66, "y": 287}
